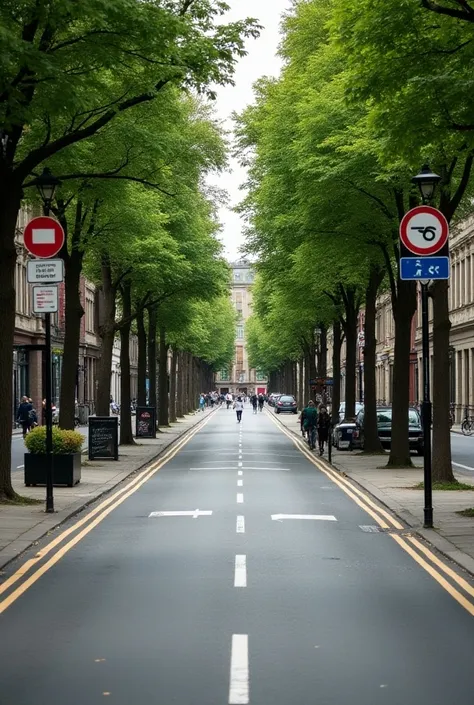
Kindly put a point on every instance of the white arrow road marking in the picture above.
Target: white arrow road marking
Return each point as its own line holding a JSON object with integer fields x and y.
{"x": 194, "y": 514}
{"x": 239, "y": 670}
{"x": 240, "y": 574}
{"x": 240, "y": 498}
{"x": 314, "y": 517}
{"x": 240, "y": 525}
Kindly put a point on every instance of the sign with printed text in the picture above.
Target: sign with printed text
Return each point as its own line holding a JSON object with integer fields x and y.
{"x": 45, "y": 271}
{"x": 43, "y": 237}
{"x": 45, "y": 299}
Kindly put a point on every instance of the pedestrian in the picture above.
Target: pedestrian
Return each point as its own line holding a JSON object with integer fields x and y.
{"x": 33, "y": 414}
{"x": 254, "y": 402}
{"x": 239, "y": 407}
{"x": 23, "y": 415}
{"x": 261, "y": 402}
{"x": 309, "y": 417}
{"x": 324, "y": 425}
{"x": 228, "y": 398}
{"x": 202, "y": 402}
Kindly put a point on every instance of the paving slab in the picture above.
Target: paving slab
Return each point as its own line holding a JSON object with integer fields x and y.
{"x": 23, "y": 525}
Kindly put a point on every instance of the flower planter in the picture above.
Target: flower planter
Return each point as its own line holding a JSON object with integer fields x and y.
{"x": 66, "y": 469}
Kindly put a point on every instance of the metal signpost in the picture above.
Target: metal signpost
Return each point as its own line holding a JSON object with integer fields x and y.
{"x": 424, "y": 256}
{"x": 43, "y": 238}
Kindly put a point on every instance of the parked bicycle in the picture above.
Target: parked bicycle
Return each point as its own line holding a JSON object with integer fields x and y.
{"x": 467, "y": 426}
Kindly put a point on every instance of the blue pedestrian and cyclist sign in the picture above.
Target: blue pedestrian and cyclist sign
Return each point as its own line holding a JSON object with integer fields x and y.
{"x": 424, "y": 233}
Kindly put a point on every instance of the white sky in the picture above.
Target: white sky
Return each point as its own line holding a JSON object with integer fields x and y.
{"x": 260, "y": 61}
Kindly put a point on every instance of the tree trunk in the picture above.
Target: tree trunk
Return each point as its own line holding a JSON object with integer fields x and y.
{"x": 10, "y": 201}
{"x": 152, "y": 327}
{"x": 174, "y": 361}
{"x": 163, "y": 399}
{"x": 323, "y": 350}
{"x": 350, "y": 330}
{"x": 336, "y": 370}
{"x": 180, "y": 384}
{"x": 441, "y": 463}
{"x": 72, "y": 336}
{"x": 371, "y": 437}
{"x": 300, "y": 394}
{"x": 126, "y": 433}
{"x": 403, "y": 310}
{"x": 141, "y": 375}
{"x": 107, "y": 330}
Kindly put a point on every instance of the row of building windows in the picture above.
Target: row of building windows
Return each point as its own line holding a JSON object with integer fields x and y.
{"x": 460, "y": 290}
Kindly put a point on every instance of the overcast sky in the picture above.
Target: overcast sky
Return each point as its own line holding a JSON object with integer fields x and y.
{"x": 260, "y": 61}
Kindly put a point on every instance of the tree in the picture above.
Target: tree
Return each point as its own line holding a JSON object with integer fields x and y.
{"x": 75, "y": 67}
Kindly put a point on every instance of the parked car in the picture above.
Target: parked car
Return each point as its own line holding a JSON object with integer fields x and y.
{"x": 342, "y": 410}
{"x": 343, "y": 433}
{"x": 273, "y": 398}
{"x": 384, "y": 426}
{"x": 286, "y": 404}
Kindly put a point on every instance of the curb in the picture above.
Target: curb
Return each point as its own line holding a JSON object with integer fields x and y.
{"x": 17, "y": 547}
{"x": 431, "y": 536}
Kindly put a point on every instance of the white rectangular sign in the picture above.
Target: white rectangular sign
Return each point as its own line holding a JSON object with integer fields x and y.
{"x": 45, "y": 299}
{"x": 43, "y": 236}
{"x": 45, "y": 271}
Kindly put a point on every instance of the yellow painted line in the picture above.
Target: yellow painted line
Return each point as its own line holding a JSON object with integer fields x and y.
{"x": 449, "y": 571}
{"x": 463, "y": 601}
{"x": 361, "y": 502}
{"x": 107, "y": 506}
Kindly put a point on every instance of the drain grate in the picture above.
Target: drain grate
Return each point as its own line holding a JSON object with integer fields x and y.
{"x": 370, "y": 529}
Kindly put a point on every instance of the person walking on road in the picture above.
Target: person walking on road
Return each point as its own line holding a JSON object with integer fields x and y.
{"x": 23, "y": 415}
{"x": 228, "y": 398}
{"x": 254, "y": 402}
{"x": 202, "y": 402}
{"x": 309, "y": 419}
{"x": 261, "y": 402}
{"x": 239, "y": 407}
{"x": 324, "y": 424}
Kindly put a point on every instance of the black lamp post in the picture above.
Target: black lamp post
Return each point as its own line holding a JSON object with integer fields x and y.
{"x": 46, "y": 185}
{"x": 426, "y": 181}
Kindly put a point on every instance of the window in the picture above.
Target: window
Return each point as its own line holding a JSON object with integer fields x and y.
{"x": 90, "y": 327}
{"x": 22, "y": 292}
{"x": 240, "y": 355}
{"x": 224, "y": 374}
{"x": 237, "y": 276}
{"x": 261, "y": 377}
{"x": 240, "y": 332}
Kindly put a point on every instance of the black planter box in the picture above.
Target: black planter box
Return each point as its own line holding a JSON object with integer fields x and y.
{"x": 66, "y": 469}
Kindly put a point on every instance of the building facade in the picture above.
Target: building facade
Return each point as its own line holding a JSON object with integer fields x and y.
{"x": 240, "y": 377}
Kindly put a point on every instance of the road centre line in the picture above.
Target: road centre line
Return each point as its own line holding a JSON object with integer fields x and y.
{"x": 19, "y": 466}
{"x": 314, "y": 517}
{"x": 239, "y": 465}
{"x": 239, "y": 670}
{"x": 100, "y": 512}
{"x": 240, "y": 472}
{"x": 240, "y": 483}
{"x": 240, "y": 571}
{"x": 240, "y": 498}
{"x": 240, "y": 525}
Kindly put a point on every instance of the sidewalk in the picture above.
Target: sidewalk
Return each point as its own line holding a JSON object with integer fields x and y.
{"x": 453, "y": 534}
{"x": 21, "y": 526}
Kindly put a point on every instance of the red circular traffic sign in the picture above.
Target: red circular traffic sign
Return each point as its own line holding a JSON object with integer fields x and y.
{"x": 43, "y": 237}
{"x": 424, "y": 230}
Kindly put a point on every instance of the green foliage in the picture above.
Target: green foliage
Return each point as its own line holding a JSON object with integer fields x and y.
{"x": 64, "y": 442}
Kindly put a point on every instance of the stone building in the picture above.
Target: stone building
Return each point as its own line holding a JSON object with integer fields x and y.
{"x": 240, "y": 377}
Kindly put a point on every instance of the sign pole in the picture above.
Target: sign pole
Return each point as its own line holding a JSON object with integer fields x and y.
{"x": 49, "y": 417}
{"x": 426, "y": 408}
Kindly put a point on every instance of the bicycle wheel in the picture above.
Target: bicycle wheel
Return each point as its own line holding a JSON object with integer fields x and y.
{"x": 467, "y": 427}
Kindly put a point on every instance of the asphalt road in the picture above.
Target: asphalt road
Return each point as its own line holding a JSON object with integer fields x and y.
{"x": 236, "y": 606}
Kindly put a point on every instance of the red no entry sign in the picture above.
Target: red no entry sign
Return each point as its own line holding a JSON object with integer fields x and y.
{"x": 424, "y": 231}
{"x": 43, "y": 237}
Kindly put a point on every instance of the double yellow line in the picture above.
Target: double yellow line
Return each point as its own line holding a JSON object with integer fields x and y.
{"x": 435, "y": 567}
{"x": 88, "y": 522}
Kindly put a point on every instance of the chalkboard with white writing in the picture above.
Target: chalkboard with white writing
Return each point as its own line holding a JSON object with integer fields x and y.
{"x": 103, "y": 437}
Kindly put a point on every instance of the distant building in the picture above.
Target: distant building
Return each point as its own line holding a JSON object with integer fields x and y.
{"x": 240, "y": 377}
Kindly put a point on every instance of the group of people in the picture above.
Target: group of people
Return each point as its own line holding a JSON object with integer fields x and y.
{"x": 26, "y": 415}
{"x": 315, "y": 421}
{"x": 257, "y": 401}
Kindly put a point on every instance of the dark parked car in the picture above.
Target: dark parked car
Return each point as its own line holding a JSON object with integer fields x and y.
{"x": 286, "y": 404}
{"x": 384, "y": 425}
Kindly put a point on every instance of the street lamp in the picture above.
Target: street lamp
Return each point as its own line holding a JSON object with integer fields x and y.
{"x": 46, "y": 185}
{"x": 426, "y": 181}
